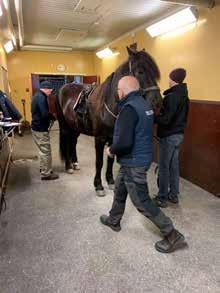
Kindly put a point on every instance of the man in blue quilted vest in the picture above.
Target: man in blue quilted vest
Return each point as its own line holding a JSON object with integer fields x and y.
{"x": 132, "y": 144}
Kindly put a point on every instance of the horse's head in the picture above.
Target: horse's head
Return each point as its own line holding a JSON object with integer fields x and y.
{"x": 145, "y": 69}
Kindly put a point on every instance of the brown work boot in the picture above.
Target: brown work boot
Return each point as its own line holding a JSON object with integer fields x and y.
{"x": 52, "y": 176}
{"x": 171, "y": 242}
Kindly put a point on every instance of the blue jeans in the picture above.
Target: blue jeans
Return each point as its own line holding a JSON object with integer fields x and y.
{"x": 169, "y": 166}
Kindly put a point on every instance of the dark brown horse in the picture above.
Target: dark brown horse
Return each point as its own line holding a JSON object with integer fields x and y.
{"x": 101, "y": 110}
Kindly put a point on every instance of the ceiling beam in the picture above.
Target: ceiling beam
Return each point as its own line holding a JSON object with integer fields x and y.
{"x": 204, "y": 3}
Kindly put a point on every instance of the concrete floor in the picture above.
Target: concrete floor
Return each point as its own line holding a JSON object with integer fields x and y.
{"x": 51, "y": 239}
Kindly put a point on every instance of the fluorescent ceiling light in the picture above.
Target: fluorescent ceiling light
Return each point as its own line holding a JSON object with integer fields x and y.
{"x": 8, "y": 46}
{"x": 17, "y": 4}
{"x": 14, "y": 40}
{"x": 175, "y": 21}
{"x": 46, "y": 48}
{"x": 1, "y": 11}
{"x": 107, "y": 52}
{"x": 5, "y": 4}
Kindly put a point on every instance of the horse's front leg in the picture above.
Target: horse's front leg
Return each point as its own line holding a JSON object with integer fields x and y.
{"x": 99, "y": 148}
{"x": 109, "y": 173}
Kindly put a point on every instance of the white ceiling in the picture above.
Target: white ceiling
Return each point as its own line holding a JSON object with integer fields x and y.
{"x": 86, "y": 24}
{"x": 83, "y": 24}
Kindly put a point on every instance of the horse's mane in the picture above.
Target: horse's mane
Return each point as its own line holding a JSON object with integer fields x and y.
{"x": 106, "y": 88}
{"x": 152, "y": 66}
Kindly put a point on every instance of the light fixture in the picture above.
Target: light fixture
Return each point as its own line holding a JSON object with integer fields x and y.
{"x": 178, "y": 32}
{"x": 5, "y": 2}
{"x": 17, "y": 4}
{"x": 8, "y": 46}
{"x": 13, "y": 40}
{"x": 46, "y": 48}
{"x": 170, "y": 23}
{"x": 107, "y": 52}
{"x": 1, "y": 13}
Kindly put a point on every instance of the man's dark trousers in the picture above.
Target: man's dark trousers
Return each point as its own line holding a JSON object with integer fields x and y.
{"x": 133, "y": 181}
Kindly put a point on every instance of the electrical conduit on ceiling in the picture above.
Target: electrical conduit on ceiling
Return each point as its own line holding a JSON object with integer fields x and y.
{"x": 206, "y": 3}
{"x": 19, "y": 14}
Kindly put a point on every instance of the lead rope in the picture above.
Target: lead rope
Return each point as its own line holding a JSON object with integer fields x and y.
{"x": 109, "y": 111}
{"x": 130, "y": 69}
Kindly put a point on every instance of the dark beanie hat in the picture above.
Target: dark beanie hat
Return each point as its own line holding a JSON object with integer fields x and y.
{"x": 178, "y": 75}
{"x": 46, "y": 85}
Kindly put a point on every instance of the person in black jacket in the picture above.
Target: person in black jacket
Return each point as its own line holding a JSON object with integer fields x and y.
{"x": 171, "y": 122}
{"x": 132, "y": 144}
{"x": 41, "y": 119}
{"x": 7, "y": 107}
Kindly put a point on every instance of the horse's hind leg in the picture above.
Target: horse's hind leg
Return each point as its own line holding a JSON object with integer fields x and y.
{"x": 75, "y": 163}
{"x": 99, "y": 148}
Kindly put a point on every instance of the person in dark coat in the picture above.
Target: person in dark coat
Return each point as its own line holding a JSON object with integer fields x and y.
{"x": 41, "y": 120}
{"x": 132, "y": 144}
{"x": 171, "y": 122}
{"x": 8, "y": 108}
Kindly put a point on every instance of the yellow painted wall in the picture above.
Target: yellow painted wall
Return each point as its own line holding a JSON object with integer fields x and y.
{"x": 3, "y": 62}
{"x": 22, "y": 63}
{"x": 197, "y": 50}
{"x": 3, "y": 58}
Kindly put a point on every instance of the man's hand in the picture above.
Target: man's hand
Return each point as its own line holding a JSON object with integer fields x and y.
{"x": 109, "y": 153}
{"x": 157, "y": 111}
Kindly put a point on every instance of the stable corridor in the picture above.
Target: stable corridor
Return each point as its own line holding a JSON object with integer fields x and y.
{"x": 51, "y": 239}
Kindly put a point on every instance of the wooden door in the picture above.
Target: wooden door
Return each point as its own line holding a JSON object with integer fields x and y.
{"x": 90, "y": 79}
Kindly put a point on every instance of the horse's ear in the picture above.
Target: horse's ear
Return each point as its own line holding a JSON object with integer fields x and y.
{"x": 133, "y": 47}
{"x": 130, "y": 52}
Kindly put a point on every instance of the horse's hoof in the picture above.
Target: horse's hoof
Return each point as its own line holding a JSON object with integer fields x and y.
{"x": 100, "y": 193}
{"x": 69, "y": 171}
{"x": 111, "y": 186}
{"x": 76, "y": 166}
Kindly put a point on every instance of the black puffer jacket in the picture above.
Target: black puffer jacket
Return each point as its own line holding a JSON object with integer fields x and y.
{"x": 173, "y": 116}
